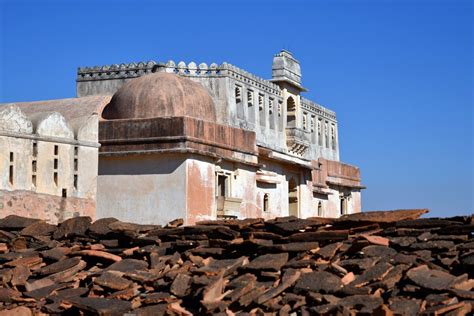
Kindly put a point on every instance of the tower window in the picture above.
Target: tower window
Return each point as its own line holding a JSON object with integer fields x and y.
{"x": 75, "y": 181}
{"x": 33, "y": 179}
{"x": 76, "y": 150}
{"x": 55, "y": 178}
{"x": 56, "y": 150}
{"x": 55, "y": 163}
{"x": 76, "y": 164}
{"x": 11, "y": 157}
{"x": 34, "y": 165}
{"x": 64, "y": 193}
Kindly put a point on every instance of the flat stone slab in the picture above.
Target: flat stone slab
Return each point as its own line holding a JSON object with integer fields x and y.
{"x": 112, "y": 281}
{"x": 100, "y": 306}
{"x": 430, "y": 279}
{"x": 272, "y": 262}
{"x": 320, "y": 281}
{"x": 76, "y": 226}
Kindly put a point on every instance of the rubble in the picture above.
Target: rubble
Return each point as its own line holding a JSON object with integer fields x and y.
{"x": 387, "y": 263}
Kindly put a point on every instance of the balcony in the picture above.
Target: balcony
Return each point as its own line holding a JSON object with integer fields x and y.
{"x": 297, "y": 140}
{"x": 228, "y": 207}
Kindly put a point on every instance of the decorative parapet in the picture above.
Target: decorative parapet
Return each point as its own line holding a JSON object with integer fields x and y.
{"x": 133, "y": 70}
{"x": 115, "y": 71}
{"x": 225, "y": 69}
{"x": 318, "y": 109}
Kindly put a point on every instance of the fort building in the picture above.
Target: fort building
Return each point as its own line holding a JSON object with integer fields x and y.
{"x": 151, "y": 142}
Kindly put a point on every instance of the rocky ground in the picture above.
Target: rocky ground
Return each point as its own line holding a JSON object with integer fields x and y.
{"x": 370, "y": 263}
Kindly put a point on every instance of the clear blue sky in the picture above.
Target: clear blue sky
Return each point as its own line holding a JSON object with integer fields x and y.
{"x": 397, "y": 73}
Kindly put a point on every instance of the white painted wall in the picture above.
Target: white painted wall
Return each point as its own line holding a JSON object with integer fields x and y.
{"x": 148, "y": 189}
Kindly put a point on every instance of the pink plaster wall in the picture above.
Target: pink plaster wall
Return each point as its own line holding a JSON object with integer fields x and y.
{"x": 51, "y": 208}
{"x": 200, "y": 191}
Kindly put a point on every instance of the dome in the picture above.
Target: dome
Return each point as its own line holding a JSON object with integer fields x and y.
{"x": 161, "y": 95}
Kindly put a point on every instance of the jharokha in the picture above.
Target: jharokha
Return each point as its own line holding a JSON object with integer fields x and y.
{"x": 151, "y": 142}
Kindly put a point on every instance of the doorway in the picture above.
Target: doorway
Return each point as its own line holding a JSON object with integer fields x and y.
{"x": 293, "y": 197}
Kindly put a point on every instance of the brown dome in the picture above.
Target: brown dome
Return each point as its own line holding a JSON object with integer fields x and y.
{"x": 160, "y": 95}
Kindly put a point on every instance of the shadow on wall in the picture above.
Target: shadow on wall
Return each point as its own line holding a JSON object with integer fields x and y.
{"x": 139, "y": 164}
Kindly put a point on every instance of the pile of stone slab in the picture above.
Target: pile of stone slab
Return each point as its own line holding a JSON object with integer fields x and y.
{"x": 381, "y": 263}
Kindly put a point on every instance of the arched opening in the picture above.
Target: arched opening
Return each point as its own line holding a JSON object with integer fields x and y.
{"x": 320, "y": 209}
{"x": 265, "y": 202}
{"x": 292, "y": 198}
{"x": 290, "y": 112}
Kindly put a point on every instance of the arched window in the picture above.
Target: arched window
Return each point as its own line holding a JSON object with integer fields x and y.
{"x": 290, "y": 112}
{"x": 320, "y": 209}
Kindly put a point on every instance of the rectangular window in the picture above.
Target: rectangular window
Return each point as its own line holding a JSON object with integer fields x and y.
{"x": 260, "y": 101}
{"x": 55, "y": 163}
{"x": 11, "y": 157}
{"x": 35, "y": 149}
{"x": 305, "y": 121}
{"x": 75, "y": 181}
{"x": 33, "y": 179}
{"x": 249, "y": 97}
{"x": 270, "y": 105}
{"x": 33, "y": 165}
{"x": 76, "y": 164}
{"x": 333, "y": 136}
{"x": 56, "y": 150}
{"x": 76, "y": 151}
{"x": 10, "y": 177}
{"x": 238, "y": 94}
{"x": 320, "y": 137}
{"x": 55, "y": 178}
{"x": 312, "y": 123}
{"x": 326, "y": 133}
{"x": 64, "y": 193}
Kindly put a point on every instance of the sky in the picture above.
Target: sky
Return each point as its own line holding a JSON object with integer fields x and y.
{"x": 397, "y": 73}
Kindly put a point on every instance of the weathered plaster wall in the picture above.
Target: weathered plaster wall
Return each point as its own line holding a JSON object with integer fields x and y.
{"x": 200, "y": 190}
{"x": 51, "y": 208}
{"x": 148, "y": 189}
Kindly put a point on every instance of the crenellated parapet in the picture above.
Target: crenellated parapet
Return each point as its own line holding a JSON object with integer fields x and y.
{"x": 223, "y": 70}
{"x": 115, "y": 71}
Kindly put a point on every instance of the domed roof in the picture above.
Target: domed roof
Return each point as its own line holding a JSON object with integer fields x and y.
{"x": 161, "y": 95}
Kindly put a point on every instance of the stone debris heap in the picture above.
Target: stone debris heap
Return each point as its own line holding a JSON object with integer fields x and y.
{"x": 375, "y": 262}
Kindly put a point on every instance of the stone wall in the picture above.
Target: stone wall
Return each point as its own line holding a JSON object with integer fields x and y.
{"x": 51, "y": 208}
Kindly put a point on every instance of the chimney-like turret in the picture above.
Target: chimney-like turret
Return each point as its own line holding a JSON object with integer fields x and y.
{"x": 286, "y": 69}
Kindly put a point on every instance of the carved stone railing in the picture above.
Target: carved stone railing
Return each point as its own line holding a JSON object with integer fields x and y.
{"x": 297, "y": 140}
